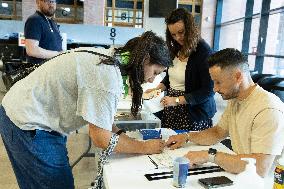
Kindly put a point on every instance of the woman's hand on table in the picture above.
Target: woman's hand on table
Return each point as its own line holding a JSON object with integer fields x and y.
{"x": 176, "y": 141}
{"x": 154, "y": 146}
{"x": 197, "y": 157}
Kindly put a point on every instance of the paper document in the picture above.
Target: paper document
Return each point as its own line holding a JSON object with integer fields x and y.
{"x": 154, "y": 105}
{"x": 163, "y": 160}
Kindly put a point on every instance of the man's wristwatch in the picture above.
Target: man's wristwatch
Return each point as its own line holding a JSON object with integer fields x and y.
{"x": 212, "y": 154}
{"x": 177, "y": 100}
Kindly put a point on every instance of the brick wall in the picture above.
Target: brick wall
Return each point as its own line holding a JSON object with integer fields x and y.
{"x": 28, "y": 8}
{"x": 94, "y": 12}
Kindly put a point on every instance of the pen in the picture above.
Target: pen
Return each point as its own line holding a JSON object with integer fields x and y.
{"x": 152, "y": 161}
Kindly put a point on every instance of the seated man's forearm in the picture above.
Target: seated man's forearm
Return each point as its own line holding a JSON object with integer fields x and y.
{"x": 230, "y": 163}
{"x": 234, "y": 164}
{"x": 207, "y": 137}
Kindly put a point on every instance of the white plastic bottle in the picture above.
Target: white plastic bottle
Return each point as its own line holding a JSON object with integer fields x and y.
{"x": 249, "y": 179}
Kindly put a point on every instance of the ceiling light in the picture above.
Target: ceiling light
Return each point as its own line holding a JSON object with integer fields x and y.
{"x": 5, "y": 5}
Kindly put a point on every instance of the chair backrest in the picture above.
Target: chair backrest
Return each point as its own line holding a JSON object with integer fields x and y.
{"x": 273, "y": 84}
{"x": 257, "y": 76}
{"x": 278, "y": 90}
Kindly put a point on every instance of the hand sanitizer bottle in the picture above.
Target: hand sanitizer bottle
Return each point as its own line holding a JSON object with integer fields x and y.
{"x": 249, "y": 179}
{"x": 279, "y": 175}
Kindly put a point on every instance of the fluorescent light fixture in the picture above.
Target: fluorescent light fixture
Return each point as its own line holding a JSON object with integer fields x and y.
{"x": 5, "y": 5}
{"x": 66, "y": 9}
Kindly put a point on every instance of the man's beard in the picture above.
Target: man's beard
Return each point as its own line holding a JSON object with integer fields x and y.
{"x": 233, "y": 94}
{"x": 49, "y": 12}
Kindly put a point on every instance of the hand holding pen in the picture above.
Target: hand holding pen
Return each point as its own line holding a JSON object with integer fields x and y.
{"x": 154, "y": 146}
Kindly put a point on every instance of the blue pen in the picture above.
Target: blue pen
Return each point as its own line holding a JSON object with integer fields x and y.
{"x": 160, "y": 133}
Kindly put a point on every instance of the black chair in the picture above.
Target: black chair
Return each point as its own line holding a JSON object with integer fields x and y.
{"x": 253, "y": 72}
{"x": 278, "y": 90}
{"x": 227, "y": 142}
{"x": 257, "y": 76}
{"x": 273, "y": 84}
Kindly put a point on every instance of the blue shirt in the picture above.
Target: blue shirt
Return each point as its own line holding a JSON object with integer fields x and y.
{"x": 45, "y": 30}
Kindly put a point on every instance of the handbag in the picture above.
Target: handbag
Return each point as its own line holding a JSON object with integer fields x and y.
{"x": 13, "y": 72}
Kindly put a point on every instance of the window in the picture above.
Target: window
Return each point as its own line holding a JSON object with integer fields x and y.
{"x": 254, "y": 36}
{"x": 251, "y": 61}
{"x": 70, "y": 11}
{"x": 259, "y": 35}
{"x": 11, "y": 10}
{"x": 128, "y": 13}
{"x": 276, "y": 4}
{"x": 233, "y": 10}
{"x": 194, "y": 7}
{"x": 274, "y": 45}
{"x": 273, "y": 66}
{"x": 257, "y": 6}
{"x": 231, "y": 36}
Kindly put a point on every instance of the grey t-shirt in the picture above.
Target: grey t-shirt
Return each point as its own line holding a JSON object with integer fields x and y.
{"x": 66, "y": 93}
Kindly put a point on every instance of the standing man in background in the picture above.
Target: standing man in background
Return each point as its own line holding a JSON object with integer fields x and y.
{"x": 43, "y": 39}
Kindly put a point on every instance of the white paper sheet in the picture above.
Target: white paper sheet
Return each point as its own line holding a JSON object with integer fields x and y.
{"x": 153, "y": 105}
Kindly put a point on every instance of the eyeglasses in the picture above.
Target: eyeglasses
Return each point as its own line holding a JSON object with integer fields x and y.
{"x": 49, "y": 1}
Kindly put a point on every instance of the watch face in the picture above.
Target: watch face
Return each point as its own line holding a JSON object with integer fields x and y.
{"x": 212, "y": 151}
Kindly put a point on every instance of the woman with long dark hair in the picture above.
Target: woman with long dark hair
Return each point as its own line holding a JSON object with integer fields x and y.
{"x": 77, "y": 88}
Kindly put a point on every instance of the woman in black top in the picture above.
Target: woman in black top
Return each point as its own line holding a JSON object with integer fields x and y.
{"x": 189, "y": 103}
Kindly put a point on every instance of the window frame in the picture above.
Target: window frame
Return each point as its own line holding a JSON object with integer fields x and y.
{"x": 134, "y": 22}
{"x": 247, "y": 19}
{"x": 14, "y": 15}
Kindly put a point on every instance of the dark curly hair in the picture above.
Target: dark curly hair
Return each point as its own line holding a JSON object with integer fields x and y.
{"x": 148, "y": 44}
{"x": 191, "y": 36}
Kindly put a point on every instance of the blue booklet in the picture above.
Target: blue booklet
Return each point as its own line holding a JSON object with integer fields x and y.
{"x": 150, "y": 134}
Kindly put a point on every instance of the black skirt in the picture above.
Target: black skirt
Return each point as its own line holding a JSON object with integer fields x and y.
{"x": 178, "y": 117}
